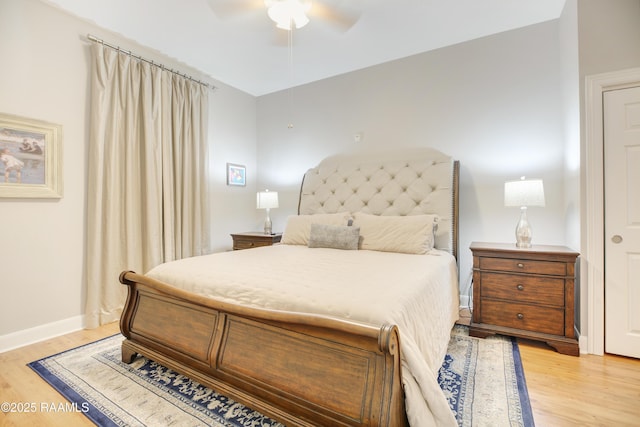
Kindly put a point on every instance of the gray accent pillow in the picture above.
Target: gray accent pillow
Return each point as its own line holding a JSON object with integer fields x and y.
{"x": 334, "y": 236}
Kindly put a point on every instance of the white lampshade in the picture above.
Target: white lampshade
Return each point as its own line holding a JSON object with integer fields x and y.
{"x": 284, "y": 12}
{"x": 267, "y": 199}
{"x": 524, "y": 193}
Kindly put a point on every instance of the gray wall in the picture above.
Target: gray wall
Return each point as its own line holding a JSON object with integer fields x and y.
{"x": 496, "y": 104}
{"x": 44, "y": 75}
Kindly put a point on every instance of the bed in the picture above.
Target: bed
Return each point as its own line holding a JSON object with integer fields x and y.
{"x": 338, "y": 325}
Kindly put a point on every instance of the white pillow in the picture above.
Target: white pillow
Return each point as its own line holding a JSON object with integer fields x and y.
{"x": 298, "y": 227}
{"x": 411, "y": 234}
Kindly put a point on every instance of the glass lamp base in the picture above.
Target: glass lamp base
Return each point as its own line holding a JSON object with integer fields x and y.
{"x": 267, "y": 224}
{"x": 523, "y": 230}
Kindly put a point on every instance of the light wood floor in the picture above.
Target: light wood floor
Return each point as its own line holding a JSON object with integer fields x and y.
{"x": 579, "y": 391}
{"x": 564, "y": 390}
{"x": 20, "y": 385}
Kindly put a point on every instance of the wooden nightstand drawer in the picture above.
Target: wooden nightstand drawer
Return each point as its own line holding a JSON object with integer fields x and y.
{"x": 523, "y": 316}
{"x": 523, "y": 266}
{"x": 521, "y": 288}
{"x": 248, "y": 244}
{"x": 254, "y": 240}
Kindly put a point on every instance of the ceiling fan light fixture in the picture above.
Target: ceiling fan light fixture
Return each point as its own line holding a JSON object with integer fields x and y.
{"x": 286, "y": 12}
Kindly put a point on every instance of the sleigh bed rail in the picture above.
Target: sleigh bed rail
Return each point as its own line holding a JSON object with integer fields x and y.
{"x": 300, "y": 369}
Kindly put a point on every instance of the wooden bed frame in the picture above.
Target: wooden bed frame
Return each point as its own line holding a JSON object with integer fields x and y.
{"x": 299, "y": 369}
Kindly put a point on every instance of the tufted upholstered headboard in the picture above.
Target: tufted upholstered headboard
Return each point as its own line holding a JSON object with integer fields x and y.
{"x": 400, "y": 182}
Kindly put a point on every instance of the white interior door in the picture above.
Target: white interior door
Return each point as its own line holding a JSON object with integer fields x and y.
{"x": 622, "y": 221}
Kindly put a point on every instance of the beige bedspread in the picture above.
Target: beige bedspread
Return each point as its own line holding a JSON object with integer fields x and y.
{"x": 418, "y": 293}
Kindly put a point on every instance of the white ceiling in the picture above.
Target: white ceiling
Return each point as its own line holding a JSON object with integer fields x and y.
{"x": 244, "y": 49}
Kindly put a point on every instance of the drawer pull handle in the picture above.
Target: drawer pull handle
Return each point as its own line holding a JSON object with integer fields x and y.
{"x": 520, "y": 316}
{"x": 520, "y": 265}
{"x": 520, "y": 287}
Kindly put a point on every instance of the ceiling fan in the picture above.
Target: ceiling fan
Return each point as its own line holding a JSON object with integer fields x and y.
{"x": 289, "y": 14}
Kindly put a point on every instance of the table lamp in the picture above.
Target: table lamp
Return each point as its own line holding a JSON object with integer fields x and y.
{"x": 267, "y": 200}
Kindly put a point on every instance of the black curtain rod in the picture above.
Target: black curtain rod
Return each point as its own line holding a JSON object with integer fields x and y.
{"x": 128, "y": 52}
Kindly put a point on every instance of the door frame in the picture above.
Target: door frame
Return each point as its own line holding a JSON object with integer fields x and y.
{"x": 592, "y": 261}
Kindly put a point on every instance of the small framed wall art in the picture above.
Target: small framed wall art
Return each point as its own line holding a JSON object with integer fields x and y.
{"x": 30, "y": 158}
{"x": 236, "y": 175}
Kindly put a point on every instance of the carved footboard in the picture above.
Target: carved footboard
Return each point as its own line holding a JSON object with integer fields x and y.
{"x": 299, "y": 369}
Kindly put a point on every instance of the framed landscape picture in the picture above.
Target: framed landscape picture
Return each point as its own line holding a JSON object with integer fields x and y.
{"x": 30, "y": 158}
{"x": 236, "y": 174}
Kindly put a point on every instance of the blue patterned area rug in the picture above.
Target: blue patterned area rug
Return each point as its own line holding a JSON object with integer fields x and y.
{"x": 482, "y": 379}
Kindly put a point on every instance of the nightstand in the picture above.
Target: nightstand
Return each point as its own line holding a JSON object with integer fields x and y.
{"x": 253, "y": 239}
{"x": 526, "y": 293}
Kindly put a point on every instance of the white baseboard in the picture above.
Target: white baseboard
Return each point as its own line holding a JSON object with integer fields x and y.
{"x": 464, "y": 301}
{"x": 583, "y": 343}
{"x": 40, "y": 333}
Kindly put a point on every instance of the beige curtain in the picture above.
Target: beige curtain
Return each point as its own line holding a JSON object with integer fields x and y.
{"x": 147, "y": 199}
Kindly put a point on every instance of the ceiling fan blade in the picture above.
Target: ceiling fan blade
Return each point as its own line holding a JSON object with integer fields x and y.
{"x": 232, "y": 8}
{"x": 341, "y": 17}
